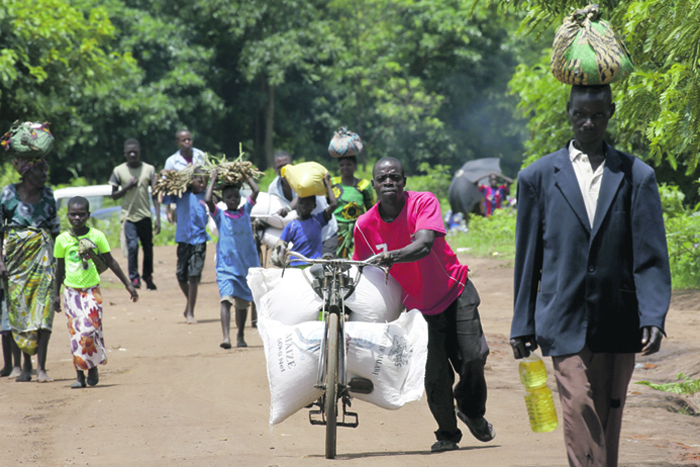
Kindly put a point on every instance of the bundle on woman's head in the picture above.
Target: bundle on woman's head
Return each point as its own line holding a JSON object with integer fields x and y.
{"x": 345, "y": 143}
{"x": 27, "y": 140}
{"x": 588, "y": 51}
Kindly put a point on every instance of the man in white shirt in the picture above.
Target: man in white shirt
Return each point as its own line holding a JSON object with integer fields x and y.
{"x": 186, "y": 155}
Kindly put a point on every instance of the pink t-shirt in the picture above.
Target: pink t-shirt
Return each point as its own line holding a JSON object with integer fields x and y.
{"x": 430, "y": 284}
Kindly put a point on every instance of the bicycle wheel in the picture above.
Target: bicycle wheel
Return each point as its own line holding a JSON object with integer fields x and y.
{"x": 331, "y": 385}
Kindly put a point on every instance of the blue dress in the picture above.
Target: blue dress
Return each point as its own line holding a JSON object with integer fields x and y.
{"x": 235, "y": 252}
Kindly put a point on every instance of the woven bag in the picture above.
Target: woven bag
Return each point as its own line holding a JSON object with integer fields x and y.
{"x": 587, "y": 51}
{"x": 345, "y": 143}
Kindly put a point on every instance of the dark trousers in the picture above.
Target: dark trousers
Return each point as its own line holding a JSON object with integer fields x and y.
{"x": 139, "y": 231}
{"x": 456, "y": 343}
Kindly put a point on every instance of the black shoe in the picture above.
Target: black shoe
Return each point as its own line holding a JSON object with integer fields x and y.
{"x": 136, "y": 283}
{"x": 479, "y": 427}
{"x": 93, "y": 376}
{"x": 444, "y": 445}
{"x": 149, "y": 284}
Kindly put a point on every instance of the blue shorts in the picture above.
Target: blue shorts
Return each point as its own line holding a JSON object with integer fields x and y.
{"x": 232, "y": 286}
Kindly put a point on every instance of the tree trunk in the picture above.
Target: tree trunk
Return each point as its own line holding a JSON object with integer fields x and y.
{"x": 258, "y": 144}
{"x": 270, "y": 125}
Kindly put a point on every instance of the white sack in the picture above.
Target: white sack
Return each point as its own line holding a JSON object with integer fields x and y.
{"x": 266, "y": 207}
{"x": 292, "y": 354}
{"x": 392, "y": 355}
{"x": 289, "y": 299}
{"x": 373, "y": 301}
{"x": 271, "y": 236}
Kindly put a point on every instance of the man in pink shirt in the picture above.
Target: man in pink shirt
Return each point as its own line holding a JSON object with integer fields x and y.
{"x": 407, "y": 229}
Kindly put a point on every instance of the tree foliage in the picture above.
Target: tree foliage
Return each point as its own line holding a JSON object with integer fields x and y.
{"x": 422, "y": 80}
{"x": 658, "y": 114}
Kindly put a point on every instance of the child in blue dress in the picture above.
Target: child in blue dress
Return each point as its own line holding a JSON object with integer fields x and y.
{"x": 235, "y": 254}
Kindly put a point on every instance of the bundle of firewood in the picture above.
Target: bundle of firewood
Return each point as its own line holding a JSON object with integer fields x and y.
{"x": 236, "y": 172}
{"x": 173, "y": 182}
{"x": 232, "y": 172}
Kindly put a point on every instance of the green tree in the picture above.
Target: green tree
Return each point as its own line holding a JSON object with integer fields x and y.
{"x": 50, "y": 54}
{"x": 658, "y": 113}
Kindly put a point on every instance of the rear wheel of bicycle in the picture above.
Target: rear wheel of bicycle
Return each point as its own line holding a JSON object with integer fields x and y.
{"x": 331, "y": 385}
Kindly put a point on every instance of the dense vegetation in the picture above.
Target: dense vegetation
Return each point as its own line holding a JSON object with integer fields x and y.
{"x": 432, "y": 82}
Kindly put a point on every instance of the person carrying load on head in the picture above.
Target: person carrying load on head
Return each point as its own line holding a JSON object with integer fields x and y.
{"x": 355, "y": 196}
{"x": 592, "y": 279}
{"x": 281, "y": 188}
{"x": 29, "y": 225}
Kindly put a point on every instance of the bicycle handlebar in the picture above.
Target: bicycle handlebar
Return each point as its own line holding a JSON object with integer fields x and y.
{"x": 337, "y": 262}
{"x": 300, "y": 257}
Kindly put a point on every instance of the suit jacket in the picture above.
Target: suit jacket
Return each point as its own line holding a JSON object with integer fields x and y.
{"x": 576, "y": 284}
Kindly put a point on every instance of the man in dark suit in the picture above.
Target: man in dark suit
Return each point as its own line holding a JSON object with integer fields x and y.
{"x": 592, "y": 280}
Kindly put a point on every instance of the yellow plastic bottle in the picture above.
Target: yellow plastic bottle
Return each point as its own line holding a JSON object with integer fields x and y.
{"x": 538, "y": 397}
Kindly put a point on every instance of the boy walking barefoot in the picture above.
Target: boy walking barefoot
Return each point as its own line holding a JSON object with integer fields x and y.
{"x": 82, "y": 298}
{"x": 235, "y": 254}
{"x": 191, "y": 237}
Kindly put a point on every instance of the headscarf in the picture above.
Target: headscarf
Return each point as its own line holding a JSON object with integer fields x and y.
{"x": 23, "y": 165}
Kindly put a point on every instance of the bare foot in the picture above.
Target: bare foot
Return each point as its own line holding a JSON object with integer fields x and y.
{"x": 24, "y": 376}
{"x": 241, "y": 342}
{"x": 5, "y": 371}
{"x": 16, "y": 371}
{"x": 226, "y": 344}
{"x": 42, "y": 377}
{"x": 190, "y": 319}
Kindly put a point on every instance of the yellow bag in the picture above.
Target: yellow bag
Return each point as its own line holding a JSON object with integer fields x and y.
{"x": 306, "y": 179}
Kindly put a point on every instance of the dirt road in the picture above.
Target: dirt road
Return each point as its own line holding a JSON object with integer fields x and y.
{"x": 169, "y": 396}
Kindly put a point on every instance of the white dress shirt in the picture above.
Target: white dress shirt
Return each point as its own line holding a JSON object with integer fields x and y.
{"x": 588, "y": 180}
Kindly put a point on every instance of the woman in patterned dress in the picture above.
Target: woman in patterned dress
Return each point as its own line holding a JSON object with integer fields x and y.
{"x": 355, "y": 196}
{"x": 29, "y": 224}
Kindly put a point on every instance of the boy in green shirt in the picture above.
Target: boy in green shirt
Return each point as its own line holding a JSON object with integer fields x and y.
{"x": 82, "y": 298}
{"x": 130, "y": 182}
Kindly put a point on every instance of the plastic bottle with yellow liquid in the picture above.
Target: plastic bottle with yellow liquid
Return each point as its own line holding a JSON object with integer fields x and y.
{"x": 538, "y": 397}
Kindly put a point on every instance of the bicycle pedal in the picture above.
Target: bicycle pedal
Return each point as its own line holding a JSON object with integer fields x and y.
{"x": 349, "y": 424}
{"x": 316, "y": 417}
{"x": 361, "y": 385}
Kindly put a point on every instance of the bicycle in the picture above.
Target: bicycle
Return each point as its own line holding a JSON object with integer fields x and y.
{"x": 334, "y": 285}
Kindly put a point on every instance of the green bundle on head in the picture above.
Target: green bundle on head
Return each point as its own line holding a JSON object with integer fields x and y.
{"x": 587, "y": 51}
{"x": 27, "y": 140}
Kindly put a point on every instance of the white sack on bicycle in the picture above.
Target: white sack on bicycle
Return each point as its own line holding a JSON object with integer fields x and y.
{"x": 375, "y": 299}
{"x": 266, "y": 207}
{"x": 292, "y": 354}
{"x": 289, "y": 299}
{"x": 392, "y": 355}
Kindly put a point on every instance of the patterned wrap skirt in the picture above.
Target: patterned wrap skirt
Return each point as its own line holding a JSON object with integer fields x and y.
{"x": 30, "y": 288}
{"x": 83, "y": 308}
